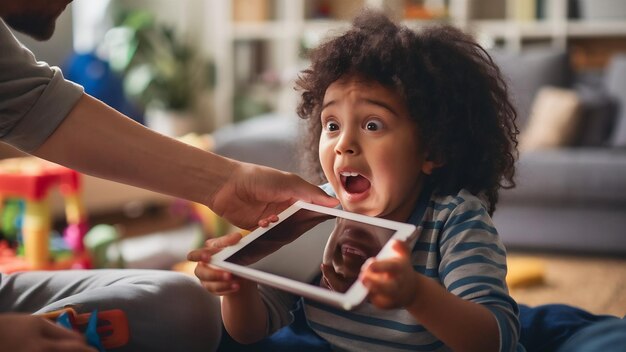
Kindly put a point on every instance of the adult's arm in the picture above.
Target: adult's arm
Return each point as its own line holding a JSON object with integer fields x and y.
{"x": 97, "y": 140}
{"x": 43, "y": 114}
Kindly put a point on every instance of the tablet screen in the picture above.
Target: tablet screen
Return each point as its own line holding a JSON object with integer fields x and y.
{"x": 308, "y": 242}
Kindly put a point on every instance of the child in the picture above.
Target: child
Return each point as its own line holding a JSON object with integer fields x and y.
{"x": 412, "y": 127}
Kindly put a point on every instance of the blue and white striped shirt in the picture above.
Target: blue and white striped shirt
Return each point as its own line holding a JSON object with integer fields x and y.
{"x": 456, "y": 245}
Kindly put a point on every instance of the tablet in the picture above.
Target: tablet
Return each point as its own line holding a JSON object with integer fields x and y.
{"x": 314, "y": 251}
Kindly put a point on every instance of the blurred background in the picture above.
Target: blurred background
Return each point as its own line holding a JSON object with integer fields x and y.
{"x": 255, "y": 48}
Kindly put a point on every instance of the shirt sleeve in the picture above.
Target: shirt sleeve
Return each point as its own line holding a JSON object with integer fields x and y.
{"x": 35, "y": 98}
{"x": 473, "y": 267}
{"x": 279, "y": 306}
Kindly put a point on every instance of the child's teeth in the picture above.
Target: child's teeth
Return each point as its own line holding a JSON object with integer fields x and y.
{"x": 353, "y": 174}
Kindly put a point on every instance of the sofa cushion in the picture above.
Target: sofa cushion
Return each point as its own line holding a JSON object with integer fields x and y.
{"x": 268, "y": 140}
{"x": 616, "y": 87}
{"x": 554, "y": 120}
{"x": 570, "y": 175}
{"x": 597, "y": 116}
{"x": 528, "y": 71}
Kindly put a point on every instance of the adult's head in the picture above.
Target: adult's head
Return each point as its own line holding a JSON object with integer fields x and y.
{"x": 36, "y": 18}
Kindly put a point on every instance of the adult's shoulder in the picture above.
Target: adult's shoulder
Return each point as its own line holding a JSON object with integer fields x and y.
{"x": 35, "y": 97}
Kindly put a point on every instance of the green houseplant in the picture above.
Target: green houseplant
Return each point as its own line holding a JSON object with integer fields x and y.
{"x": 162, "y": 73}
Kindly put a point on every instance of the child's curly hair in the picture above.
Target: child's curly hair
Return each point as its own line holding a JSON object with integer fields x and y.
{"x": 454, "y": 92}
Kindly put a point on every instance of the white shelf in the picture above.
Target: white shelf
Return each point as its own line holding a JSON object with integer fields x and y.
{"x": 417, "y": 24}
{"x": 539, "y": 29}
{"x": 596, "y": 28}
{"x": 260, "y": 31}
{"x": 504, "y": 29}
{"x": 325, "y": 25}
{"x": 291, "y": 28}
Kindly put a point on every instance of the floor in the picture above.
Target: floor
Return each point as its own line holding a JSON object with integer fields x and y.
{"x": 594, "y": 283}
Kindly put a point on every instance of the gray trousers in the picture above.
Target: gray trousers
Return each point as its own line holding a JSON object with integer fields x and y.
{"x": 167, "y": 311}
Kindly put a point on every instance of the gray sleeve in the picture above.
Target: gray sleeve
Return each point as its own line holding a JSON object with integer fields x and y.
{"x": 279, "y": 305}
{"x": 34, "y": 97}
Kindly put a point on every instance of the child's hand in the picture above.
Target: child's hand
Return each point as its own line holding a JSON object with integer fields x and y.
{"x": 215, "y": 280}
{"x": 392, "y": 282}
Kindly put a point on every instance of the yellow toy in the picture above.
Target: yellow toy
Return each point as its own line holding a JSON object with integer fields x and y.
{"x": 525, "y": 271}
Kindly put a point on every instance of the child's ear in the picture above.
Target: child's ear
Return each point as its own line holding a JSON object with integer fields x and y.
{"x": 430, "y": 165}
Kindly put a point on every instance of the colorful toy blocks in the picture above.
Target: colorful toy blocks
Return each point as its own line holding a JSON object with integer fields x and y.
{"x": 29, "y": 180}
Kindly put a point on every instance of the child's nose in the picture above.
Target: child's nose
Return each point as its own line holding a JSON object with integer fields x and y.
{"x": 347, "y": 144}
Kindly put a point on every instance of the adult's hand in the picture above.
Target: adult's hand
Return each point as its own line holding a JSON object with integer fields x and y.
{"x": 24, "y": 332}
{"x": 254, "y": 192}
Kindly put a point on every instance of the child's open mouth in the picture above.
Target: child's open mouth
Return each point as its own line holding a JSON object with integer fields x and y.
{"x": 354, "y": 183}
{"x": 350, "y": 250}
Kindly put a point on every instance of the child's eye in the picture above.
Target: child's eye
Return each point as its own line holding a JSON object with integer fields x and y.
{"x": 373, "y": 125}
{"x": 331, "y": 126}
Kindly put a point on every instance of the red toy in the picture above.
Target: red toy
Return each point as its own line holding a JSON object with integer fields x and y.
{"x": 31, "y": 179}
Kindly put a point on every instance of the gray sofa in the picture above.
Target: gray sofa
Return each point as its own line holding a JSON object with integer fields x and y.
{"x": 571, "y": 198}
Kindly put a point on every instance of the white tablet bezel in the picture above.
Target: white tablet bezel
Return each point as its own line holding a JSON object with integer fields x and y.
{"x": 348, "y": 300}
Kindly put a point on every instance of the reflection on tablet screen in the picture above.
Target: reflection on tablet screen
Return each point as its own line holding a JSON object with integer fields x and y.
{"x": 297, "y": 247}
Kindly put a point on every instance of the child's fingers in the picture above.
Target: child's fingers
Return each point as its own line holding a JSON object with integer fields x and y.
{"x": 223, "y": 241}
{"x": 213, "y": 246}
{"x": 216, "y": 281}
{"x": 371, "y": 279}
{"x": 196, "y": 255}
{"x": 202, "y": 254}
{"x": 208, "y": 273}
{"x": 400, "y": 248}
{"x": 390, "y": 266}
{"x": 383, "y": 302}
{"x": 221, "y": 287}
{"x": 385, "y": 278}
{"x": 381, "y": 289}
